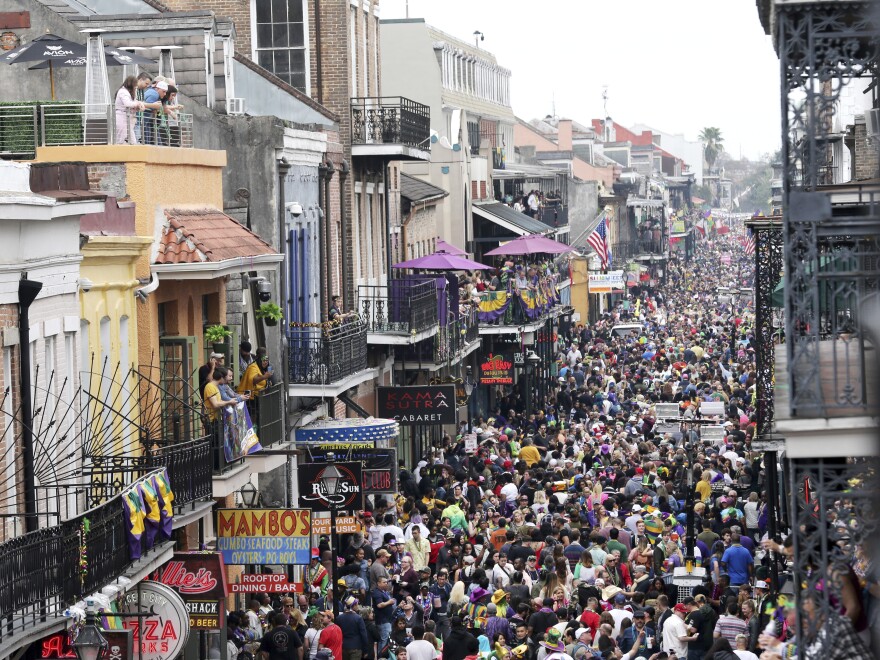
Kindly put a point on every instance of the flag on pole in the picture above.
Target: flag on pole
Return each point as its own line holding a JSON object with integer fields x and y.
{"x": 749, "y": 242}
{"x": 598, "y": 240}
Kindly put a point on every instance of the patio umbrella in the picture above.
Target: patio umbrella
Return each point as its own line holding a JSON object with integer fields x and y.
{"x": 531, "y": 244}
{"x": 440, "y": 244}
{"x": 441, "y": 260}
{"x": 48, "y": 47}
{"x": 113, "y": 57}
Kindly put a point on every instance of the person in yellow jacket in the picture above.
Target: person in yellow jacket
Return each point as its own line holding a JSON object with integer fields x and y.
{"x": 256, "y": 376}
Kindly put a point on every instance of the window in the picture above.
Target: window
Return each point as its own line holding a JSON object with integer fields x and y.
{"x": 280, "y": 44}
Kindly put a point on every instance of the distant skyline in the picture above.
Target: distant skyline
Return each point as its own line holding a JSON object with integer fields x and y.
{"x": 677, "y": 66}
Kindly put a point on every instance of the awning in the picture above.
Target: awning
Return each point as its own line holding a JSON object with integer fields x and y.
{"x": 641, "y": 201}
{"x": 504, "y": 216}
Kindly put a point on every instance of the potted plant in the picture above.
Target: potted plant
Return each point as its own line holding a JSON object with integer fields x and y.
{"x": 217, "y": 335}
{"x": 270, "y": 313}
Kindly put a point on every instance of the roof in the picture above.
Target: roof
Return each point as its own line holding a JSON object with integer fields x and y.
{"x": 191, "y": 236}
{"x": 504, "y": 216}
{"x": 416, "y": 190}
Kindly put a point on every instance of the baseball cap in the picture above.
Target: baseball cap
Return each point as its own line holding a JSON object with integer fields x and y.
{"x": 761, "y": 584}
{"x": 680, "y": 607}
{"x": 581, "y": 631}
{"x": 162, "y": 85}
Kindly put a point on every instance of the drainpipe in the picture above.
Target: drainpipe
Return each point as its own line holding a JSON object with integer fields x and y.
{"x": 387, "y": 226}
{"x": 283, "y": 169}
{"x": 343, "y": 239}
{"x": 325, "y": 247}
{"x": 319, "y": 58}
{"x": 322, "y": 206}
{"x": 28, "y": 290}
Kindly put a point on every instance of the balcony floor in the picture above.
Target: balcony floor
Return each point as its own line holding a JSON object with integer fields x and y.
{"x": 390, "y": 152}
{"x": 432, "y": 367}
{"x": 400, "y": 338}
{"x": 333, "y": 389}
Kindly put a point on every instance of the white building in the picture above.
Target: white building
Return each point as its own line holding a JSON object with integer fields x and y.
{"x": 690, "y": 151}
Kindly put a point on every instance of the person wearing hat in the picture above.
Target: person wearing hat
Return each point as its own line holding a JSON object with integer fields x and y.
{"x": 639, "y": 637}
{"x": 331, "y": 635}
{"x": 316, "y": 575}
{"x": 379, "y": 568}
{"x": 581, "y": 647}
{"x": 354, "y": 630}
{"x": 555, "y": 649}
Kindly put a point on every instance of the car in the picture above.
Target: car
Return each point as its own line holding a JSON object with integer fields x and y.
{"x": 626, "y": 329}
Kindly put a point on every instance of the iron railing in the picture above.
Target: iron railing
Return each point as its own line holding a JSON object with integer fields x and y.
{"x": 403, "y": 307}
{"x": 390, "y": 120}
{"x": 553, "y": 214}
{"x": 267, "y": 408}
{"x": 326, "y": 353}
{"x": 636, "y": 248}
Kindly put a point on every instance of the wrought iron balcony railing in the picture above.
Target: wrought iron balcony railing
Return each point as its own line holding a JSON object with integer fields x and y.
{"x": 324, "y": 353}
{"x": 266, "y": 411}
{"x": 403, "y": 307}
{"x": 390, "y": 120}
{"x": 553, "y": 214}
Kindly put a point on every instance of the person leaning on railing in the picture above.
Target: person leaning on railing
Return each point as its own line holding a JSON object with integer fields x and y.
{"x": 127, "y": 106}
{"x": 213, "y": 400}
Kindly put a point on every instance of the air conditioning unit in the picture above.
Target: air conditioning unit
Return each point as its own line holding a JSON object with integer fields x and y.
{"x": 872, "y": 122}
{"x": 234, "y": 106}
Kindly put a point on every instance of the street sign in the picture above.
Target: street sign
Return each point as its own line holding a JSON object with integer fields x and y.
{"x": 264, "y": 536}
{"x": 345, "y": 480}
{"x": 470, "y": 443}
{"x": 418, "y": 404}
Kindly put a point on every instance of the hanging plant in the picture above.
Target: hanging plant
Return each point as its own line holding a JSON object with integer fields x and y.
{"x": 269, "y": 312}
{"x": 217, "y": 334}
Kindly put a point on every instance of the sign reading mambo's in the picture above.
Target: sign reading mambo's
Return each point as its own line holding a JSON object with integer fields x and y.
{"x": 264, "y": 536}
{"x": 276, "y": 583}
{"x": 336, "y": 486}
{"x": 418, "y": 404}
{"x": 163, "y": 634}
{"x": 609, "y": 282}
{"x": 497, "y": 369}
{"x": 199, "y": 578}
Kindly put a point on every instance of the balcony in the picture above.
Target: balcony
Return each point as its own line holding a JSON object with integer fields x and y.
{"x": 447, "y": 347}
{"x": 553, "y": 214}
{"x": 390, "y": 127}
{"x": 25, "y": 127}
{"x": 404, "y": 312}
{"x": 522, "y": 310}
{"x": 638, "y": 249}
{"x": 325, "y": 359}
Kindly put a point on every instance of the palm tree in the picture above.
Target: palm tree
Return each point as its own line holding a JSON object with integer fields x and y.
{"x": 713, "y": 144}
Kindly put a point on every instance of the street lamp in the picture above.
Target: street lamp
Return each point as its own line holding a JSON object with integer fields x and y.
{"x": 468, "y": 390}
{"x": 330, "y": 479}
{"x": 532, "y": 361}
{"x": 90, "y": 643}
{"x": 250, "y": 496}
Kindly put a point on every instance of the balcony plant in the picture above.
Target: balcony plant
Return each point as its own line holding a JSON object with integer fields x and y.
{"x": 270, "y": 313}
{"x": 217, "y": 336}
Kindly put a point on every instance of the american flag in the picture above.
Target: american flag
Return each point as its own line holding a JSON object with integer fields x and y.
{"x": 598, "y": 240}
{"x": 749, "y": 242}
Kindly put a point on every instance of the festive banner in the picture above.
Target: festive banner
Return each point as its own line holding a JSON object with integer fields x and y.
{"x": 149, "y": 515}
{"x": 493, "y": 306}
{"x": 239, "y": 437}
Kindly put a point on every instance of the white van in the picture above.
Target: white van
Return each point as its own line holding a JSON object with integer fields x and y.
{"x": 626, "y": 329}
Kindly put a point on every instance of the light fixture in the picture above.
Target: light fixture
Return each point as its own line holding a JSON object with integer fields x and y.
{"x": 250, "y": 496}
{"x": 90, "y": 643}
{"x": 330, "y": 479}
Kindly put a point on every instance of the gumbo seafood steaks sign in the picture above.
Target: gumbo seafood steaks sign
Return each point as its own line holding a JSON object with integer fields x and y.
{"x": 497, "y": 369}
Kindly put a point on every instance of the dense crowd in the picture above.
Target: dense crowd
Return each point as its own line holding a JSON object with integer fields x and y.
{"x": 559, "y": 536}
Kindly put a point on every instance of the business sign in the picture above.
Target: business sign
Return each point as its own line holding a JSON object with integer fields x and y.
{"x": 274, "y": 583}
{"x": 160, "y": 635}
{"x": 57, "y": 646}
{"x": 344, "y": 525}
{"x": 418, "y": 404}
{"x": 345, "y": 492}
{"x": 497, "y": 369}
{"x": 264, "y": 536}
{"x": 610, "y": 282}
{"x": 199, "y": 578}
{"x": 379, "y": 464}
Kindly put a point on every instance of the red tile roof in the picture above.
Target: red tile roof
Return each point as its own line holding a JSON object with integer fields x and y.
{"x": 206, "y": 234}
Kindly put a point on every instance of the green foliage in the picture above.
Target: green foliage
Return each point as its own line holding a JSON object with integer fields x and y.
{"x": 216, "y": 334}
{"x": 269, "y": 311}
{"x": 20, "y": 132}
{"x": 713, "y": 144}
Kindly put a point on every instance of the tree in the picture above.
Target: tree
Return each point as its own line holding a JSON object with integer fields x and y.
{"x": 713, "y": 144}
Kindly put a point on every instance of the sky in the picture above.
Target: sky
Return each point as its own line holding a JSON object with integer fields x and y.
{"x": 675, "y": 65}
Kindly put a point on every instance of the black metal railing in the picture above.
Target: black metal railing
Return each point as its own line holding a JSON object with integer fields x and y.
{"x": 390, "y": 120}
{"x": 266, "y": 410}
{"x": 326, "y": 353}
{"x": 41, "y": 572}
{"x": 635, "y": 248}
{"x": 402, "y": 307}
{"x": 553, "y": 214}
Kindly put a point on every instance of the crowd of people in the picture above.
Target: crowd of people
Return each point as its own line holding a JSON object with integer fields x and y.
{"x": 147, "y": 111}
{"x": 560, "y": 536}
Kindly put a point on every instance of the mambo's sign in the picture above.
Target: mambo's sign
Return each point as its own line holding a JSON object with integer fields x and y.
{"x": 497, "y": 370}
{"x": 418, "y": 404}
{"x": 264, "y": 536}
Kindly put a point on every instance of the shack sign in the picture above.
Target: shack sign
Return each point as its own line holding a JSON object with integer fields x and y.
{"x": 418, "y": 404}
{"x": 497, "y": 369}
{"x": 199, "y": 578}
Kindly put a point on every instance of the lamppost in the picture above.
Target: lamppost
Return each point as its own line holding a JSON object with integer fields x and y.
{"x": 330, "y": 479}
{"x": 90, "y": 643}
{"x": 469, "y": 390}
{"x": 532, "y": 362}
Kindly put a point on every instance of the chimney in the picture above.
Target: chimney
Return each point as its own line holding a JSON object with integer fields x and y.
{"x": 564, "y": 135}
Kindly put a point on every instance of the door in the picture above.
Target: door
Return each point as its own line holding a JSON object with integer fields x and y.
{"x": 178, "y": 391}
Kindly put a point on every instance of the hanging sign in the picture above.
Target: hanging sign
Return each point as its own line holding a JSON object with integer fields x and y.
{"x": 344, "y": 525}
{"x": 331, "y": 486}
{"x": 610, "y": 282}
{"x": 497, "y": 369}
{"x": 199, "y": 578}
{"x": 264, "y": 536}
{"x": 274, "y": 583}
{"x": 418, "y": 404}
{"x": 163, "y": 634}
{"x": 379, "y": 464}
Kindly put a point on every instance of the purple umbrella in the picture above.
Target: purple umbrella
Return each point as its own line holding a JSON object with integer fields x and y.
{"x": 532, "y": 244}
{"x": 440, "y": 244}
{"x": 442, "y": 260}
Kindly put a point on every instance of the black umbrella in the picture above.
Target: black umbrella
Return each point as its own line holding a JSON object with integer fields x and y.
{"x": 113, "y": 57}
{"x": 48, "y": 47}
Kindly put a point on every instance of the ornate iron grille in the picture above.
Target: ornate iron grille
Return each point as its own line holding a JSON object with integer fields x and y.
{"x": 405, "y": 306}
{"x": 390, "y": 120}
{"x": 321, "y": 355}
{"x": 830, "y": 252}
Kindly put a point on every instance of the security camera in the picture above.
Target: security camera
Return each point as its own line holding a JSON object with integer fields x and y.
{"x": 295, "y": 209}
{"x": 264, "y": 290}
{"x": 85, "y": 284}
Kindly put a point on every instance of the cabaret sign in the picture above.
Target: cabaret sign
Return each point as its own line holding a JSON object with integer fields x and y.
{"x": 610, "y": 282}
{"x": 497, "y": 369}
{"x": 418, "y": 404}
